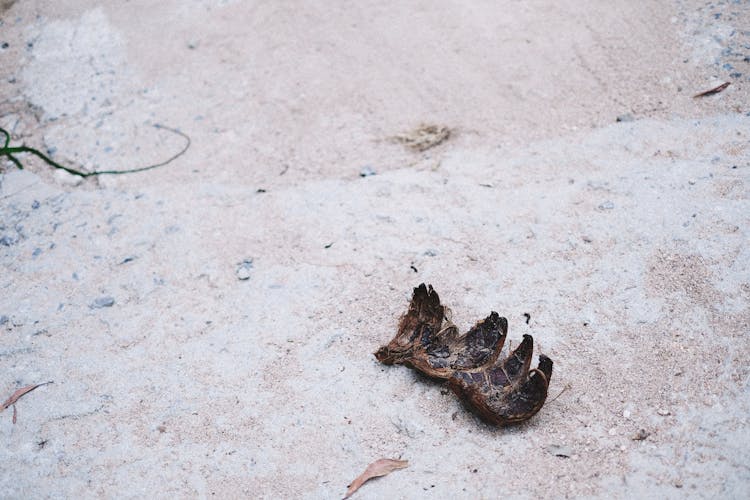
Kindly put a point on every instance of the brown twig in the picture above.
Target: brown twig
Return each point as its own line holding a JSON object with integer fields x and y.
{"x": 712, "y": 91}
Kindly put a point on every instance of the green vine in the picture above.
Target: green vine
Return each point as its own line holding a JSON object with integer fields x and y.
{"x": 10, "y": 151}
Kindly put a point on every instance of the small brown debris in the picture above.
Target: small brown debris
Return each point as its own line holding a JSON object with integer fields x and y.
{"x": 378, "y": 468}
{"x": 641, "y": 435}
{"x": 424, "y": 137}
{"x": 712, "y": 91}
{"x": 559, "y": 450}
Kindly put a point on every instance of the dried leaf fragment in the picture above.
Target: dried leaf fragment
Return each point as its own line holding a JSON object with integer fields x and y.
{"x": 378, "y": 468}
{"x": 20, "y": 392}
{"x": 424, "y": 137}
{"x": 712, "y": 91}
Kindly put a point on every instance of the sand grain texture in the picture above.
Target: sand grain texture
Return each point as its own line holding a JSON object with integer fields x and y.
{"x": 625, "y": 242}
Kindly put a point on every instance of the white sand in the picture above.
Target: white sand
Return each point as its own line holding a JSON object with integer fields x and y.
{"x": 627, "y": 243}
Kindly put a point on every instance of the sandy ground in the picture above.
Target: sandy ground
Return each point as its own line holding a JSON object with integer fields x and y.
{"x": 626, "y": 243}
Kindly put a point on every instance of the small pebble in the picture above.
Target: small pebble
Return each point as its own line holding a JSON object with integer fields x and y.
{"x": 7, "y": 241}
{"x": 35, "y": 204}
{"x": 607, "y": 205}
{"x": 663, "y": 412}
{"x": 66, "y": 178}
{"x": 367, "y": 171}
{"x": 627, "y": 117}
{"x": 626, "y": 414}
{"x": 243, "y": 269}
{"x": 103, "y": 301}
{"x": 613, "y": 432}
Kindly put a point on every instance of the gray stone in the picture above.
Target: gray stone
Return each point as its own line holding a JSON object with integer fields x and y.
{"x": 8, "y": 240}
{"x": 243, "y": 269}
{"x": 103, "y": 301}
